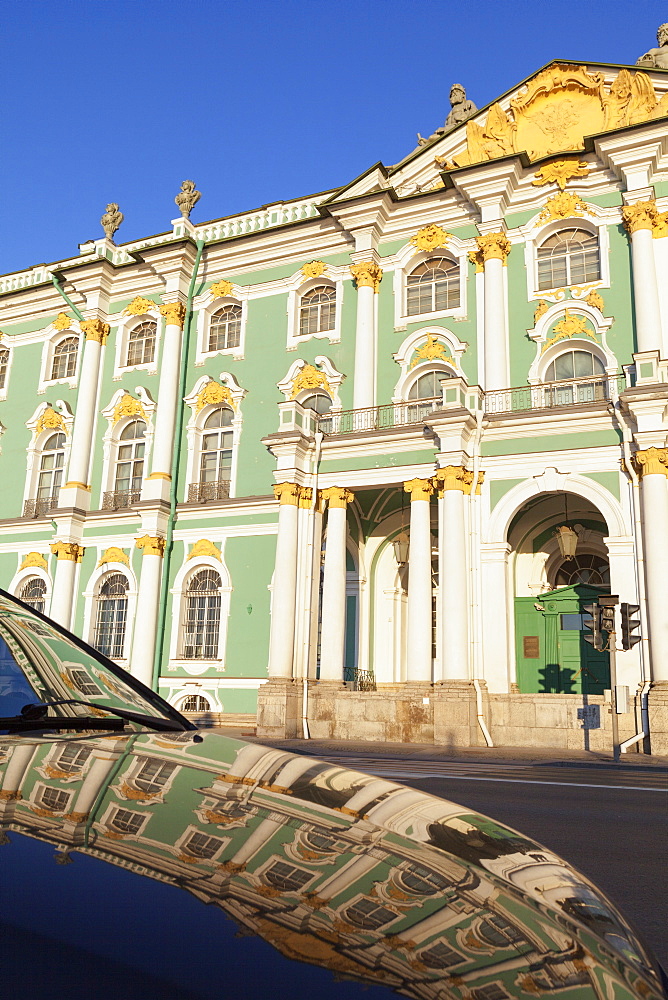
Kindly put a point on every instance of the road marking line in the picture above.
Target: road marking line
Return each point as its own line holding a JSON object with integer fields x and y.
{"x": 514, "y": 781}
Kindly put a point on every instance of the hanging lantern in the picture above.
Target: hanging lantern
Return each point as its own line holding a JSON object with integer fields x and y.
{"x": 400, "y": 544}
{"x": 568, "y": 541}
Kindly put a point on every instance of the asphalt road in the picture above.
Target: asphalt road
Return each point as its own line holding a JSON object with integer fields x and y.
{"x": 610, "y": 823}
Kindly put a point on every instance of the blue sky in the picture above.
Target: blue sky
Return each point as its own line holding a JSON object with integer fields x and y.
{"x": 121, "y": 100}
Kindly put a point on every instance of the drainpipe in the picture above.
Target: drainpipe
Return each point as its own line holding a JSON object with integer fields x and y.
{"x": 176, "y": 462}
{"x": 475, "y": 604}
{"x": 615, "y": 410}
{"x": 314, "y": 503}
{"x": 56, "y": 284}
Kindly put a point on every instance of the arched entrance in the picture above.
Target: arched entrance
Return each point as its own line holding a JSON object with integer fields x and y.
{"x": 554, "y": 579}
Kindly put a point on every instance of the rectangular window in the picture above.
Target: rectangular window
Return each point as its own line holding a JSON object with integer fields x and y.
{"x": 201, "y": 846}
{"x": 127, "y": 821}
{"x": 153, "y": 775}
{"x": 54, "y": 799}
{"x": 72, "y": 758}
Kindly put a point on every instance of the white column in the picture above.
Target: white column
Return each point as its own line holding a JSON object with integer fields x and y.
{"x": 254, "y": 841}
{"x": 170, "y": 363}
{"x": 96, "y": 333}
{"x": 496, "y": 607}
{"x": 419, "y": 666}
{"x": 15, "y": 770}
{"x": 148, "y": 600}
{"x": 103, "y": 762}
{"x": 494, "y": 248}
{"x": 653, "y": 465}
{"x": 332, "y": 636}
{"x": 68, "y": 555}
{"x": 367, "y": 275}
{"x": 453, "y": 584}
{"x": 640, "y": 220}
{"x": 282, "y": 635}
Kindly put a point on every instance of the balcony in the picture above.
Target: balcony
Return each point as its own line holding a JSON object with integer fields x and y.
{"x": 573, "y": 392}
{"x": 378, "y": 418}
{"x": 40, "y": 506}
{"x": 203, "y": 492}
{"x": 120, "y": 499}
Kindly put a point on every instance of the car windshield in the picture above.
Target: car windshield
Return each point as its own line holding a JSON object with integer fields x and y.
{"x": 39, "y": 663}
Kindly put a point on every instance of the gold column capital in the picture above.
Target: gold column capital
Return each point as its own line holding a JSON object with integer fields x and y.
{"x": 151, "y": 545}
{"x": 641, "y": 215}
{"x": 305, "y": 496}
{"x": 419, "y": 489}
{"x": 454, "y": 477}
{"x": 174, "y": 313}
{"x": 95, "y": 329}
{"x": 69, "y": 551}
{"x": 651, "y": 462}
{"x": 494, "y": 246}
{"x": 475, "y": 257}
{"x": 367, "y": 274}
{"x": 338, "y": 496}
{"x": 287, "y": 493}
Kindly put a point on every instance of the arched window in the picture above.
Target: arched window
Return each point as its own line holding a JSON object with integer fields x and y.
{"x": 427, "y": 390}
{"x": 321, "y": 402}
{"x": 33, "y": 592}
{"x": 576, "y": 364}
{"x": 570, "y": 257}
{"x": 4, "y": 364}
{"x": 215, "y": 467}
{"x": 51, "y": 463}
{"x": 369, "y": 915}
{"x": 432, "y": 287}
{"x": 587, "y": 568}
{"x": 64, "y": 363}
{"x": 225, "y": 328}
{"x": 317, "y": 310}
{"x": 111, "y": 614}
{"x": 141, "y": 344}
{"x": 422, "y": 881}
{"x": 195, "y": 703}
{"x": 130, "y": 463}
{"x": 201, "y": 618}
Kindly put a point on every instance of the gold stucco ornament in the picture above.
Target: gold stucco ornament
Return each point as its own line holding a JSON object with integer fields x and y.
{"x": 560, "y": 172}
{"x": 69, "y": 551}
{"x": 595, "y": 300}
{"x": 431, "y": 350}
{"x": 213, "y": 394}
{"x": 128, "y": 406}
{"x": 338, "y": 496}
{"x": 494, "y": 246}
{"x": 313, "y": 269}
{"x": 220, "y": 289}
{"x": 95, "y": 329}
{"x": 651, "y": 462}
{"x": 204, "y": 547}
{"x": 564, "y": 205}
{"x": 174, "y": 313}
{"x": 151, "y": 545}
{"x": 62, "y": 322}
{"x": 419, "y": 489}
{"x": 540, "y": 310}
{"x": 113, "y": 555}
{"x": 139, "y": 306}
{"x": 475, "y": 257}
{"x": 367, "y": 274}
{"x": 50, "y": 420}
{"x": 33, "y": 560}
{"x": 310, "y": 377}
{"x": 661, "y": 225}
{"x": 430, "y": 238}
{"x": 569, "y": 326}
{"x": 641, "y": 215}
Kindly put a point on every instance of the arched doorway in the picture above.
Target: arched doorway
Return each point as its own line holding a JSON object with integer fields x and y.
{"x": 552, "y": 589}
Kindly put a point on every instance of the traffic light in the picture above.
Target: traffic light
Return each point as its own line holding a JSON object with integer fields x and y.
{"x": 594, "y": 624}
{"x": 629, "y": 624}
{"x": 608, "y": 619}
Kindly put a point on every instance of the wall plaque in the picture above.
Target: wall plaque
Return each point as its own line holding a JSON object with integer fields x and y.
{"x": 531, "y": 647}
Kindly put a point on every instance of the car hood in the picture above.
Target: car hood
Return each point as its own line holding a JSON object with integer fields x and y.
{"x": 327, "y": 874}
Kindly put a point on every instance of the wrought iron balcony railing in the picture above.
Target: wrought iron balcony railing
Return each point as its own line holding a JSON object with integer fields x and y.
{"x": 39, "y": 506}
{"x": 202, "y": 492}
{"x": 119, "y": 499}
{"x": 377, "y": 418}
{"x": 360, "y": 680}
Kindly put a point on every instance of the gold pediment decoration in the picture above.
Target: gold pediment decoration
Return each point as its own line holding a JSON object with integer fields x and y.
{"x": 62, "y": 322}
{"x": 556, "y": 110}
{"x": 314, "y": 269}
{"x": 431, "y": 350}
{"x": 220, "y": 289}
{"x": 309, "y": 378}
{"x": 540, "y": 310}
{"x": 34, "y": 560}
{"x": 213, "y": 394}
{"x": 139, "y": 306}
{"x": 49, "y": 420}
{"x": 560, "y": 172}
{"x": 563, "y": 206}
{"x": 430, "y": 238}
{"x": 113, "y": 555}
{"x": 128, "y": 406}
{"x": 595, "y": 300}
{"x": 569, "y": 326}
{"x": 204, "y": 548}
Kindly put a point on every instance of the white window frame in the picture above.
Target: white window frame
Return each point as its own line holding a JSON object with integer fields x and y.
{"x": 37, "y": 442}
{"x": 406, "y": 262}
{"x": 53, "y": 338}
{"x": 195, "y": 427}
{"x": 180, "y": 846}
{"x": 207, "y": 306}
{"x": 4, "y": 346}
{"x": 179, "y": 594}
{"x": 536, "y": 234}
{"x": 541, "y": 331}
{"x": 38, "y": 791}
{"x": 111, "y": 439}
{"x": 106, "y": 822}
{"x": 295, "y": 295}
{"x": 125, "y": 326}
{"x": 29, "y": 573}
{"x": 91, "y": 594}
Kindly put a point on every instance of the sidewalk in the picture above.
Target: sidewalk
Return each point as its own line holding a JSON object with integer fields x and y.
{"x": 522, "y": 756}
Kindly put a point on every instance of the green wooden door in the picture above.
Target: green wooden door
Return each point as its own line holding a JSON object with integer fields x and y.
{"x": 552, "y": 655}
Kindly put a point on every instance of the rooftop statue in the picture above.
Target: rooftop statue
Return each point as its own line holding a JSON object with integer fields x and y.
{"x": 187, "y": 198}
{"x": 460, "y": 110}
{"x": 111, "y": 220}
{"x": 657, "y": 58}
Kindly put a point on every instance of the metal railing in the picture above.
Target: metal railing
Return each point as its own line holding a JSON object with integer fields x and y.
{"x": 202, "y": 492}
{"x": 360, "y": 680}
{"x": 120, "y": 499}
{"x": 39, "y": 507}
{"x": 377, "y": 418}
{"x": 571, "y": 392}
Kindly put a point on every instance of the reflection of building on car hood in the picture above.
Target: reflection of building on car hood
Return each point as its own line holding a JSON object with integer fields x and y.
{"x": 372, "y": 880}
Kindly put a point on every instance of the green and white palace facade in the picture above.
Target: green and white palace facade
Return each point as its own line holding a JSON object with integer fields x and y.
{"x": 355, "y": 463}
